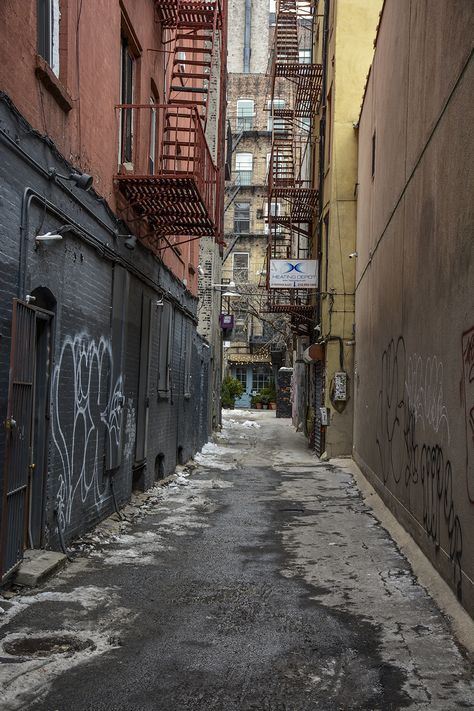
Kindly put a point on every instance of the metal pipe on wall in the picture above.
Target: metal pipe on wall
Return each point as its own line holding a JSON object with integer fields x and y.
{"x": 247, "y": 31}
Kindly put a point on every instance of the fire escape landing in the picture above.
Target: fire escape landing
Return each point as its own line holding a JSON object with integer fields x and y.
{"x": 167, "y": 183}
{"x": 292, "y": 202}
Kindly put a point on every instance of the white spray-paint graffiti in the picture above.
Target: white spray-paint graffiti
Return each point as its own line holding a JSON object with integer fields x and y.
{"x": 424, "y": 387}
{"x": 130, "y": 431}
{"x": 86, "y": 415}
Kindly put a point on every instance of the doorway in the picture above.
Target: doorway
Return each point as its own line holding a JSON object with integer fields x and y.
{"x": 27, "y": 426}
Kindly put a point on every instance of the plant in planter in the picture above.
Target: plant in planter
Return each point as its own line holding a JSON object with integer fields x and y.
{"x": 256, "y": 402}
{"x": 268, "y": 396}
{"x": 230, "y": 390}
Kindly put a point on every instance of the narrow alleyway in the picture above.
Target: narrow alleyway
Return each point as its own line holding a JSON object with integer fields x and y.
{"x": 258, "y": 580}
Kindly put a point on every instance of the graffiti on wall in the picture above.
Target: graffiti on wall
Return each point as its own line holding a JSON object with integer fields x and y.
{"x": 130, "y": 431}
{"x": 413, "y": 437}
{"x": 86, "y": 417}
{"x": 467, "y": 398}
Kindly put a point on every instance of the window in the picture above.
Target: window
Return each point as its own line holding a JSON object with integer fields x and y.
{"x": 240, "y": 325}
{"x": 126, "y": 97}
{"x": 241, "y": 375}
{"x": 242, "y": 218}
{"x": 260, "y": 378}
{"x": 181, "y": 68}
{"x": 269, "y": 157}
{"x": 153, "y": 129}
{"x": 244, "y": 167}
{"x": 48, "y": 17}
{"x": 304, "y": 56}
{"x": 278, "y": 123}
{"x": 240, "y": 270}
{"x": 245, "y": 114}
{"x": 166, "y": 348}
{"x": 275, "y": 211}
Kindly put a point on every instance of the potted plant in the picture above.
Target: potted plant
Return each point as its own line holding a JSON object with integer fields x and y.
{"x": 230, "y": 390}
{"x": 256, "y": 401}
{"x": 268, "y": 396}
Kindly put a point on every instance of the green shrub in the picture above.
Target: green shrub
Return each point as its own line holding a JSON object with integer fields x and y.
{"x": 268, "y": 394}
{"x": 231, "y": 389}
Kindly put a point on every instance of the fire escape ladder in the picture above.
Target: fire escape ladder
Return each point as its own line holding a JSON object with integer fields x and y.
{"x": 292, "y": 202}
{"x": 195, "y": 37}
{"x": 286, "y": 33}
{"x": 167, "y": 184}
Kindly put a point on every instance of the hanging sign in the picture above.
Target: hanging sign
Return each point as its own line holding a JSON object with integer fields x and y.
{"x": 293, "y": 274}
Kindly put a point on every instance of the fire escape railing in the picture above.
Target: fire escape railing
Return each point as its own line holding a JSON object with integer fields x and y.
{"x": 167, "y": 182}
{"x": 166, "y": 177}
{"x": 292, "y": 201}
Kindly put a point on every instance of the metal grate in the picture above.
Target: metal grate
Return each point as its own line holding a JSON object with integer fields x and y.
{"x": 18, "y": 437}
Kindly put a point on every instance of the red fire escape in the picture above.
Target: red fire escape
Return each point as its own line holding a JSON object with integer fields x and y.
{"x": 168, "y": 184}
{"x": 292, "y": 201}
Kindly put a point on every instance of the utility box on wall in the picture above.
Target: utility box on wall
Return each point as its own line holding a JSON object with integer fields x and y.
{"x": 340, "y": 387}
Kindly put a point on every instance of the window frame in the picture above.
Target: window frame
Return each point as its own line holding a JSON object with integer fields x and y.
{"x": 246, "y": 172}
{"x": 239, "y": 218}
{"x": 275, "y": 126}
{"x": 47, "y": 32}
{"x": 237, "y": 277}
{"x": 244, "y": 121}
{"x": 127, "y": 93}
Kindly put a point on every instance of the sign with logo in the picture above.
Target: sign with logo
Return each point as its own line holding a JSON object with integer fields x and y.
{"x": 293, "y": 274}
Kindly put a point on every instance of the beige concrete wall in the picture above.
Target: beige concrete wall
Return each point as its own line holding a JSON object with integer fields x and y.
{"x": 352, "y": 31}
{"x": 414, "y": 399}
{"x": 259, "y": 34}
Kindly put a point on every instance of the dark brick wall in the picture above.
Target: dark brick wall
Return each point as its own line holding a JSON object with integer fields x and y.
{"x": 94, "y": 384}
{"x": 284, "y": 406}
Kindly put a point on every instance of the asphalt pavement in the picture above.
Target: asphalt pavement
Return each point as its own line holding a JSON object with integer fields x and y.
{"x": 259, "y": 579}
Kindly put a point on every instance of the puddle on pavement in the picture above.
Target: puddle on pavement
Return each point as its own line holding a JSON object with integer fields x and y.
{"x": 40, "y": 647}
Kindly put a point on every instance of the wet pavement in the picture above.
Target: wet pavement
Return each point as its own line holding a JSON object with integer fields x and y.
{"x": 259, "y": 580}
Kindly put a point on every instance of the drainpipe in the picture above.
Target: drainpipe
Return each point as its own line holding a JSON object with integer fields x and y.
{"x": 248, "y": 21}
{"x": 322, "y": 129}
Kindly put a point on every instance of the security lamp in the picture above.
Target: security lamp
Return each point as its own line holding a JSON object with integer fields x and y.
{"x": 82, "y": 180}
{"x": 130, "y": 242}
{"x": 47, "y": 237}
{"x": 230, "y": 285}
{"x": 53, "y": 236}
{"x": 353, "y": 255}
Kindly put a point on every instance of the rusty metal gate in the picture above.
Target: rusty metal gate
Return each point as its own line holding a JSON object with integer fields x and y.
{"x": 18, "y": 429}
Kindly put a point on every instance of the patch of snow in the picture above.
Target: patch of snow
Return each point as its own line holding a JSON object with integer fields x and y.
{"x": 251, "y": 423}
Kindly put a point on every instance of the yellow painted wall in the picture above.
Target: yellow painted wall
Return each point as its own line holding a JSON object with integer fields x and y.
{"x": 350, "y": 50}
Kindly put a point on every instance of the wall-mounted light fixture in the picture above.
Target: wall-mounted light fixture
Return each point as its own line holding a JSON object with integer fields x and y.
{"x": 353, "y": 255}
{"x": 130, "y": 241}
{"x": 230, "y": 289}
{"x": 47, "y": 238}
{"x": 53, "y": 235}
{"x": 82, "y": 180}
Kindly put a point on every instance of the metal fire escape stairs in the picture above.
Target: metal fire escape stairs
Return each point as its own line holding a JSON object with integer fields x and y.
{"x": 178, "y": 194}
{"x": 290, "y": 227}
{"x": 195, "y": 36}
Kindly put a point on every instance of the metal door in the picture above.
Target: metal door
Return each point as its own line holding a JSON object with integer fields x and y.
{"x": 18, "y": 437}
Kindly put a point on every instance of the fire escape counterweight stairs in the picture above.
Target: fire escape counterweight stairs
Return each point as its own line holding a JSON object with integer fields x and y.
{"x": 292, "y": 202}
{"x": 167, "y": 182}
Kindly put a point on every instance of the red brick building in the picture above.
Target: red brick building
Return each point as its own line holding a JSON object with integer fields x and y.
{"x": 108, "y": 376}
